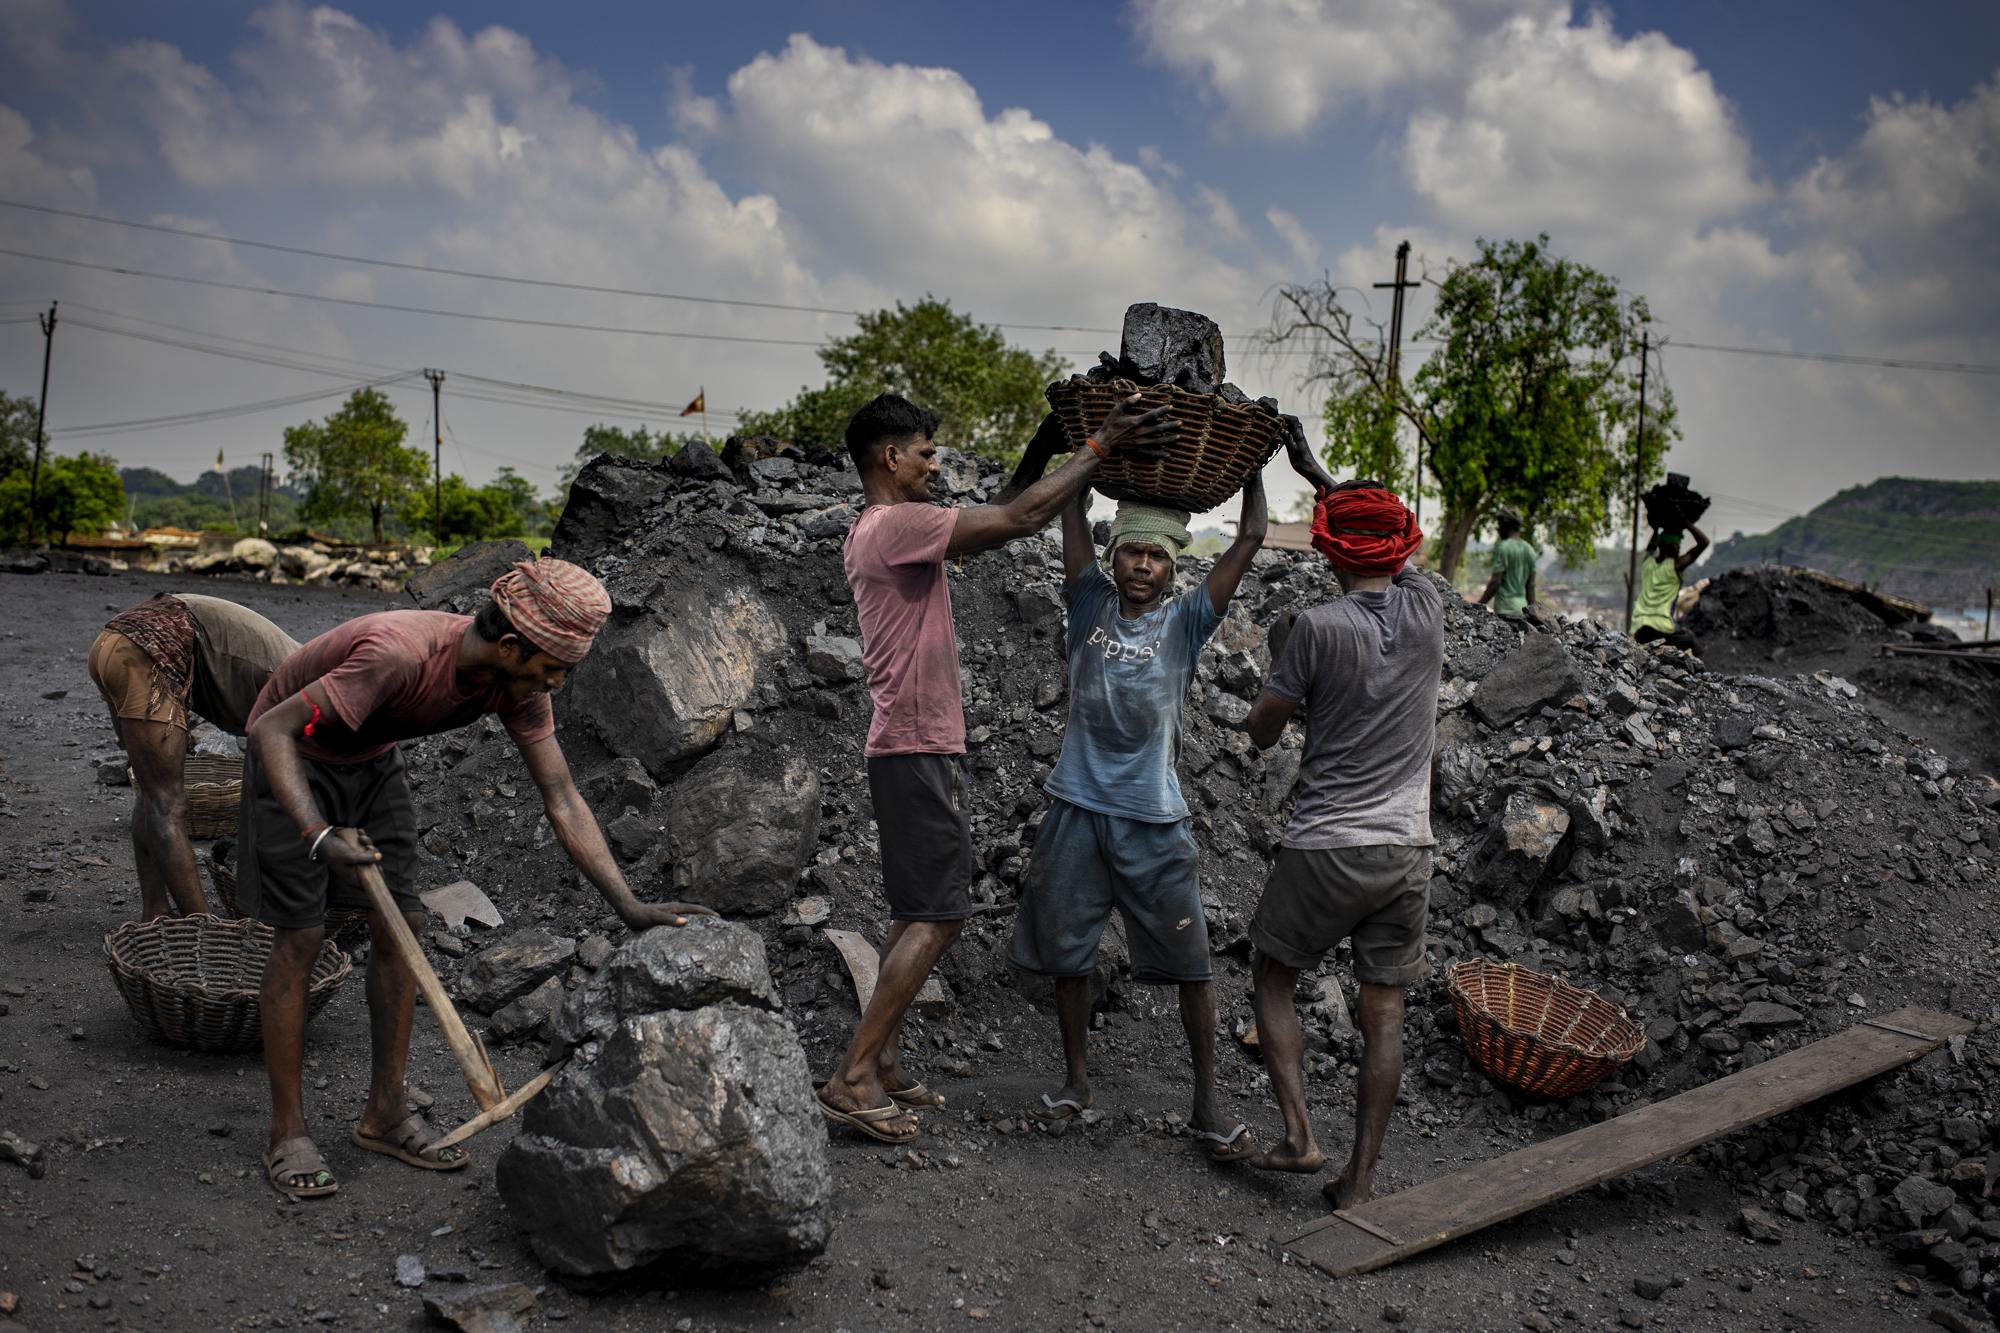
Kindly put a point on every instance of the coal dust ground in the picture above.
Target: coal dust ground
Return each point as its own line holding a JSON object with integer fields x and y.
{"x": 153, "y": 1212}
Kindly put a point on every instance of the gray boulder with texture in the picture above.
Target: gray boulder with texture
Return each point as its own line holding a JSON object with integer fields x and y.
{"x": 741, "y": 827}
{"x": 1537, "y": 673}
{"x": 690, "y": 1140}
{"x": 459, "y": 583}
{"x": 510, "y": 968}
{"x": 705, "y": 962}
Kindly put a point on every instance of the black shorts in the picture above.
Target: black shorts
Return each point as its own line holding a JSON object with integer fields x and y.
{"x": 279, "y": 884}
{"x": 923, "y": 812}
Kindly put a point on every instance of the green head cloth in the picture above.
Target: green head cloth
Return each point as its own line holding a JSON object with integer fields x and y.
{"x": 1149, "y": 524}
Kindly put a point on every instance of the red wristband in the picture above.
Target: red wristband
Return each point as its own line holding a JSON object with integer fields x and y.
{"x": 1097, "y": 448}
{"x": 311, "y": 829}
{"x": 315, "y": 707}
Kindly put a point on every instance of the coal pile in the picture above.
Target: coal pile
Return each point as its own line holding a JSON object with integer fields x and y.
{"x": 1745, "y": 862}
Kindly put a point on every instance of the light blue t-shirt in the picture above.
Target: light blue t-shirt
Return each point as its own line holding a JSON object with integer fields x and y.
{"x": 1128, "y": 680}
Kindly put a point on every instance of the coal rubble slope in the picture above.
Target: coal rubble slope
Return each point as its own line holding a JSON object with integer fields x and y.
{"x": 1746, "y": 863}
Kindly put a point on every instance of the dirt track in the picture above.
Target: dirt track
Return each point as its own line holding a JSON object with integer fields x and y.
{"x": 153, "y": 1213}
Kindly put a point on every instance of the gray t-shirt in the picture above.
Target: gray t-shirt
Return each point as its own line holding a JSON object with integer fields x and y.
{"x": 235, "y": 652}
{"x": 1366, "y": 668}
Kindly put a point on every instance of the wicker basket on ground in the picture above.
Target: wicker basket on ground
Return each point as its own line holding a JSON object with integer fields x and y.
{"x": 1538, "y": 1033}
{"x": 192, "y": 980}
{"x": 214, "y": 786}
{"x": 1221, "y": 444}
{"x": 344, "y": 926}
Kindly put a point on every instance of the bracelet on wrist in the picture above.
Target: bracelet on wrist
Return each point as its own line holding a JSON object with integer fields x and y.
{"x": 312, "y": 852}
{"x": 309, "y": 830}
{"x": 1097, "y": 448}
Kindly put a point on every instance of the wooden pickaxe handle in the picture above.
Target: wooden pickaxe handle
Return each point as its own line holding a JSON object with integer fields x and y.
{"x": 479, "y": 1075}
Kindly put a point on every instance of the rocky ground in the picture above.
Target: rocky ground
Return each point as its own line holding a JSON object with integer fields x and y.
{"x": 1746, "y": 862}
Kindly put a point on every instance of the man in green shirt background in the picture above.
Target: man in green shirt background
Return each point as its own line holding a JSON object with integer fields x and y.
{"x": 1511, "y": 590}
{"x": 1660, "y": 585}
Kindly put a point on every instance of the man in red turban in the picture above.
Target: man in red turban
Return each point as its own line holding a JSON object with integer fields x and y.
{"x": 1354, "y": 862}
{"x": 323, "y": 756}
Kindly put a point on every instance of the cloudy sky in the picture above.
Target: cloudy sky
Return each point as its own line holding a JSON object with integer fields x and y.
{"x": 1815, "y": 177}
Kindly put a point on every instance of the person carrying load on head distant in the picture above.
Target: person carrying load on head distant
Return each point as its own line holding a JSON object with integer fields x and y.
{"x": 1660, "y": 573}
{"x": 154, "y": 663}
{"x": 1116, "y": 834}
{"x": 1511, "y": 590}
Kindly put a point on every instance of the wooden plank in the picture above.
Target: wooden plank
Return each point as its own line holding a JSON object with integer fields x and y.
{"x": 1428, "y": 1215}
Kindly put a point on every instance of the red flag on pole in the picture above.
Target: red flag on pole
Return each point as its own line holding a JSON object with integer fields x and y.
{"x": 700, "y": 404}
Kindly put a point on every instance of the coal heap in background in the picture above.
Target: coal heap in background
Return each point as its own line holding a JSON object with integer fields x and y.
{"x": 1746, "y": 862}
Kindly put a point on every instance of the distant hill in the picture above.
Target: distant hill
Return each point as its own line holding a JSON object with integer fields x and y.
{"x": 1936, "y": 541}
{"x": 155, "y": 499}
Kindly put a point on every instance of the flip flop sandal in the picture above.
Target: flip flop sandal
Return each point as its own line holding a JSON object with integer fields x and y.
{"x": 916, "y": 1097}
{"x": 287, "y": 1162}
{"x": 1057, "y": 1109}
{"x": 871, "y": 1122}
{"x": 1234, "y": 1146}
{"x": 410, "y": 1142}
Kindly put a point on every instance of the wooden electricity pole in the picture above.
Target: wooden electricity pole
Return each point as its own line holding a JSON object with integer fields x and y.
{"x": 436, "y": 377}
{"x": 1396, "y": 357}
{"x": 1638, "y": 480}
{"x": 264, "y": 499}
{"x": 48, "y": 323}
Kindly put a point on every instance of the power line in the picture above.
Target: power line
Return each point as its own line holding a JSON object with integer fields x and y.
{"x": 220, "y": 413}
{"x": 486, "y": 277}
{"x": 1841, "y": 359}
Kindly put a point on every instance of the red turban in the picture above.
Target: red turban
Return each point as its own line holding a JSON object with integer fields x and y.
{"x": 1368, "y": 533}
{"x": 557, "y": 606}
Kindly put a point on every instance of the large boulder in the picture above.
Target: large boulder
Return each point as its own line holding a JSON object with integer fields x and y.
{"x": 1537, "y": 673}
{"x": 705, "y": 962}
{"x": 664, "y": 680}
{"x": 459, "y": 583}
{"x": 509, "y": 968}
{"x": 1518, "y": 848}
{"x": 606, "y": 505}
{"x": 741, "y": 826}
{"x": 253, "y": 553}
{"x": 684, "y": 1131}
{"x": 1162, "y": 345}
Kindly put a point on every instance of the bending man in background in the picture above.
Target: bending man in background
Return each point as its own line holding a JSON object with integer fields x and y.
{"x": 1116, "y": 833}
{"x": 1355, "y": 859}
{"x": 154, "y": 663}
{"x": 323, "y": 758}
{"x": 894, "y": 556}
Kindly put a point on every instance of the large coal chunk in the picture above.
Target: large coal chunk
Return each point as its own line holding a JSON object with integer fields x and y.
{"x": 512, "y": 967}
{"x": 1538, "y": 672}
{"x": 1162, "y": 345}
{"x": 742, "y": 824}
{"x": 605, "y": 504}
{"x": 691, "y": 1141}
{"x": 1518, "y": 848}
{"x": 665, "y": 679}
{"x": 702, "y": 963}
{"x": 459, "y": 583}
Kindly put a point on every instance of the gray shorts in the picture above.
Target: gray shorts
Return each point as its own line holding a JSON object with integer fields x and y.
{"x": 279, "y": 884}
{"x": 1379, "y": 895}
{"x": 1084, "y": 865}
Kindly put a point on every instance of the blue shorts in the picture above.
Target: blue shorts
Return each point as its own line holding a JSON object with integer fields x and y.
{"x": 1084, "y": 865}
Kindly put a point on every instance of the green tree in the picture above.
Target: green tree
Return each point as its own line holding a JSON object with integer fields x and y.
{"x": 471, "y": 513}
{"x": 354, "y": 463}
{"x": 81, "y": 494}
{"x": 17, "y": 433}
{"x": 988, "y": 395}
{"x": 1529, "y": 402}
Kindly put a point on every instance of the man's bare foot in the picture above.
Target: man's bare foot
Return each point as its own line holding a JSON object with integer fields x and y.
{"x": 1304, "y": 1161}
{"x": 1347, "y": 1189}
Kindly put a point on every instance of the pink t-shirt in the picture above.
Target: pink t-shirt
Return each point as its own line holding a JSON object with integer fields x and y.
{"x": 895, "y": 564}
{"x": 390, "y": 677}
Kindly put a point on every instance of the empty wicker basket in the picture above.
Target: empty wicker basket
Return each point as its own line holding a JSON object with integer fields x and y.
{"x": 343, "y": 925}
{"x": 192, "y": 980}
{"x": 1220, "y": 447}
{"x": 1538, "y": 1033}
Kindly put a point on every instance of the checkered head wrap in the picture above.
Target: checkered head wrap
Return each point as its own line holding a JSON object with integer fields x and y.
{"x": 557, "y": 606}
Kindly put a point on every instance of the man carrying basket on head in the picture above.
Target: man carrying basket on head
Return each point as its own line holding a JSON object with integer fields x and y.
{"x": 1355, "y": 859}
{"x": 323, "y": 760}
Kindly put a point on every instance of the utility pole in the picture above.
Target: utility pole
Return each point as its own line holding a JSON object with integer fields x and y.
{"x": 264, "y": 499}
{"x": 1396, "y": 357}
{"x": 436, "y": 377}
{"x": 48, "y": 323}
{"x": 1638, "y": 478}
